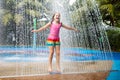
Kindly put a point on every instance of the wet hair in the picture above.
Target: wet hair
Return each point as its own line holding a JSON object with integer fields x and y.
{"x": 53, "y": 18}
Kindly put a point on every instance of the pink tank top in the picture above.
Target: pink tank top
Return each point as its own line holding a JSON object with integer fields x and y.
{"x": 54, "y": 31}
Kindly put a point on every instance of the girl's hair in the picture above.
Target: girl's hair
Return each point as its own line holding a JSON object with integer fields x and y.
{"x": 53, "y": 18}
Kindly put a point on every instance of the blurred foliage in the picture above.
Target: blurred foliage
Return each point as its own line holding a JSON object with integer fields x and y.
{"x": 110, "y": 10}
{"x": 18, "y": 18}
{"x": 19, "y": 14}
{"x": 17, "y": 10}
{"x": 33, "y": 13}
{"x": 6, "y": 18}
{"x": 114, "y": 38}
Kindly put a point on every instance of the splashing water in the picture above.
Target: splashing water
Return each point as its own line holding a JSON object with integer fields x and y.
{"x": 84, "y": 51}
{"x": 85, "y": 16}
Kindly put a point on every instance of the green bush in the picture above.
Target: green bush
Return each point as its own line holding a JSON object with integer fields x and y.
{"x": 114, "y": 39}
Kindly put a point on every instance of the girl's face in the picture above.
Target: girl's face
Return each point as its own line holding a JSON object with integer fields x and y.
{"x": 57, "y": 17}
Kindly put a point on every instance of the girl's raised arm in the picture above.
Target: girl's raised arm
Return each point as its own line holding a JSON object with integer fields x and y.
{"x": 42, "y": 28}
{"x": 68, "y": 27}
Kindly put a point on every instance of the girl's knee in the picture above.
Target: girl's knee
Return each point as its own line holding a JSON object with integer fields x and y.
{"x": 51, "y": 53}
{"x": 58, "y": 53}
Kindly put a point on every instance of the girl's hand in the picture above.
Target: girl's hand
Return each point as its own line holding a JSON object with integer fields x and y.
{"x": 34, "y": 31}
{"x": 76, "y": 30}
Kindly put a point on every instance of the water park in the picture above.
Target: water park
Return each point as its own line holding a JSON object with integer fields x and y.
{"x": 90, "y": 53}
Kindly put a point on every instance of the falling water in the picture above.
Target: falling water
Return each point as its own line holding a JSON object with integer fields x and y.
{"x": 2, "y": 28}
{"x": 84, "y": 51}
{"x": 85, "y": 16}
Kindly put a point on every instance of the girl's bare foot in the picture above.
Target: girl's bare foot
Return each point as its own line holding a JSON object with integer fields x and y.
{"x": 49, "y": 69}
{"x": 58, "y": 70}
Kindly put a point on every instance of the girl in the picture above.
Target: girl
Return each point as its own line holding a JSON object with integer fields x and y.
{"x": 53, "y": 40}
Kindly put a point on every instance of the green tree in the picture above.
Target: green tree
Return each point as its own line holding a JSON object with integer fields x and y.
{"x": 114, "y": 37}
{"x": 18, "y": 18}
{"x": 110, "y": 11}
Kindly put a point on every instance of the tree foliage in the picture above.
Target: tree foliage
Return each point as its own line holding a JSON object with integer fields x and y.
{"x": 20, "y": 13}
{"x": 114, "y": 38}
{"x": 110, "y": 10}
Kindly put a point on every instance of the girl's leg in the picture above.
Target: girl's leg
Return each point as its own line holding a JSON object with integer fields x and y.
{"x": 57, "y": 48}
{"x": 51, "y": 52}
